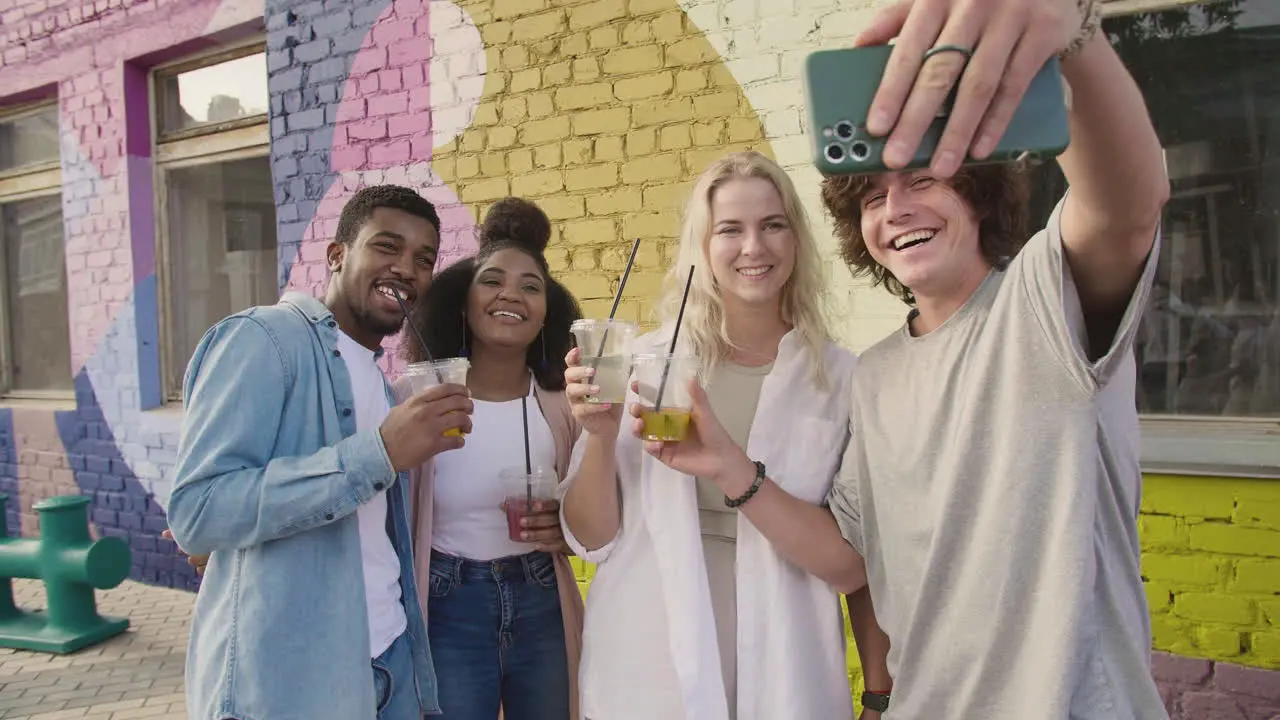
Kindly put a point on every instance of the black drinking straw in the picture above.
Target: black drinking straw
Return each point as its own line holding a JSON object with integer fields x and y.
{"x": 666, "y": 366}
{"x": 528, "y": 464}
{"x": 618, "y": 296}
{"x": 408, "y": 321}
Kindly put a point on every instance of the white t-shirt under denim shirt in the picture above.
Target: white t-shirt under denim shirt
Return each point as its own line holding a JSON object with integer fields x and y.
{"x": 467, "y": 516}
{"x": 992, "y": 484}
{"x": 381, "y": 565}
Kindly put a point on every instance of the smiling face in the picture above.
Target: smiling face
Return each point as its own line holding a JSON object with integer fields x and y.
{"x": 393, "y": 251}
{"x": 507, "y": 302}
{"x": 923, "y": 232}
{"x": 752, "y": 249}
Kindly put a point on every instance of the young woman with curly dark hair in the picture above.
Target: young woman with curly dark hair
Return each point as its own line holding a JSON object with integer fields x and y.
{"x": 504, "y": 616}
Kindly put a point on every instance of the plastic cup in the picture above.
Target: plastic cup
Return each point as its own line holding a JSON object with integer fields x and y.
{"x": 520, "y": 487}
{"x": 613, "y": 365}
{"x": 423, "y": 375}
{"x": 670, "y": 422}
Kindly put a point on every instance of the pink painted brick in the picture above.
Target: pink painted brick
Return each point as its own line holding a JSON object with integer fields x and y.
{"x": 388, "y": 31}
{"x": 389, "y": 154}
{"x": 410, "y": 124}
{"x": 351, "y": 157}
{"x": 373, "y": 129}
{"x": 390, "y": 104}
{"x": 1175, "y": 668}
{"x": 412, "y": 50}
{"x": 1209, "y": 706}
{"x": 1254, "y": 682}
{"x": 390, "y": 79}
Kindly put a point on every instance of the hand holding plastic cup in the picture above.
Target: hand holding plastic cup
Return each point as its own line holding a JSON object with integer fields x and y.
{"x": 427, "y": 374}
{"x": 663, "y": 385}
{"x": 605, "y": 345}
{"x": 522, "y": 490}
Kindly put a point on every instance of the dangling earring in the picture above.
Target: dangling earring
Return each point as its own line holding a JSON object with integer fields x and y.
{"x": 542, "y": 337}
{"x": 463, "y": 351}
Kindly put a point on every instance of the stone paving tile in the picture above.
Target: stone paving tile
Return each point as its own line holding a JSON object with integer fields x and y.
{"x": 137, "y": 674}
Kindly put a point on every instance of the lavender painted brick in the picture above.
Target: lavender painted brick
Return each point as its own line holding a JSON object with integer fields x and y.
{"x": 1174, "y": 668}
{"x": 1254, "y": 682}
{"x": 333, "y": 23}
{"x": 1210, "y": 706}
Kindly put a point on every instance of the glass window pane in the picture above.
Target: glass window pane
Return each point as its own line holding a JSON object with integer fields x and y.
{"x": 221, "y": 249}
{"x": 1209, "y": 343}
{"x": 213, "y": 94}
{"x": 36, "y": 285}
{"x": 29, "y": 139}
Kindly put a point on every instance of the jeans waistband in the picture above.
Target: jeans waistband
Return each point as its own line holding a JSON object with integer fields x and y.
{"x": 513, "y": 568}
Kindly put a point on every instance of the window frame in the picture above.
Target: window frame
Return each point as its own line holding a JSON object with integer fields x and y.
{"x": 209, "y": 144}
{"x": 1203, "y": 445}
{"x": 27, "y": 182}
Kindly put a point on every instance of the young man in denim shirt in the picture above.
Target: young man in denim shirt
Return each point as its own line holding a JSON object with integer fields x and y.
{"x": 288, "y": 477}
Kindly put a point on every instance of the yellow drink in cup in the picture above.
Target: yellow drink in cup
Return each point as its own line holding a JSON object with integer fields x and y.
{"x": 423, "y": 375}
{"x": 606, "y": 346}
{"x": 666, "y": 418}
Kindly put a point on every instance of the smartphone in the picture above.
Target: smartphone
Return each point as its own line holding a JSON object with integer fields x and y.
{"x": 840, "y": 85}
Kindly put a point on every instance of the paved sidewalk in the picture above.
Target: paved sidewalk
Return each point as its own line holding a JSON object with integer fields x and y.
{"x": 137, "y": 674}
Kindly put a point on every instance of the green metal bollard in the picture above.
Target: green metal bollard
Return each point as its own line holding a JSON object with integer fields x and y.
{"x": 71, "y": 566}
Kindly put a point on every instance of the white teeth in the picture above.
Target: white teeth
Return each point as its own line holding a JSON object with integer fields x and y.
{"x": 913, "y": 237}
{"x": 505, "y": 313}
{"x": 754, "y": 272}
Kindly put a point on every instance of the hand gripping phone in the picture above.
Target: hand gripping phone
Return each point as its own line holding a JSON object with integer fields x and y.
{"x": 840, "y": 85}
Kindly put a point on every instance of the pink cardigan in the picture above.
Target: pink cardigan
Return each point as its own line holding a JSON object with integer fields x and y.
{"x": 564, "y": 432}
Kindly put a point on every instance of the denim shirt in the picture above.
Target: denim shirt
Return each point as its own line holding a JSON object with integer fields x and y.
{"x": 271, "y": 470}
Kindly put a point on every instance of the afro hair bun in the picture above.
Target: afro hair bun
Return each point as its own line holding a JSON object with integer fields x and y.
{"x": 517, "y": 221}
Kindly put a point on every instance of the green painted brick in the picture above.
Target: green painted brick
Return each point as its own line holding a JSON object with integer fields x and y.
{"x": 1258, "y": 511}
{"x": 1232, "y": 540}
{"x": 1170, "y": 634}
{"x": 1161, "y": 531}
{"x": 1219, "y": 642}
{"x": 1193, "y": 570}
{"x": 1215, "y": 608}
{"x": 1257, "y": 575}
{"x": 1188, "y": 497}
{"x": 1265, "y": 649}
{"x": 1270, "y": 611}
{"x": 1159, "y": 597}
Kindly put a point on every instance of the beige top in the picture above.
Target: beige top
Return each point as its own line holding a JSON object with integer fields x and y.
{"x": 734, "y": 393}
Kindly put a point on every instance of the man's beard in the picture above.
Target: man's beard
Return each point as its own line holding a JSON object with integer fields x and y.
{"x": 379, "y": 327}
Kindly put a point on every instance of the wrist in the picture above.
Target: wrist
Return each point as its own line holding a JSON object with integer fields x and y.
{"x": 736, "y": 475}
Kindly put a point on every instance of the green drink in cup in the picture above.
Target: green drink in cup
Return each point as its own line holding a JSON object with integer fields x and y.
{"x": 426, "y": 374}
{"x": 665, "y": 406}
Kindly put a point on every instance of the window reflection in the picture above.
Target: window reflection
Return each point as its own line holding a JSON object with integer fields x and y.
{"x": 213, "y": 94}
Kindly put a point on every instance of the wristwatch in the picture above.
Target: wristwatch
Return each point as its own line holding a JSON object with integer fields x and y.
{"x": 875, "y": 701}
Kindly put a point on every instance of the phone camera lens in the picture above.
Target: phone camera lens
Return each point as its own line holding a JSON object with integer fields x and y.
{"x": 859, "y": 151}
{"x": 835, "y": 153}
{"x": 844, "y": 130}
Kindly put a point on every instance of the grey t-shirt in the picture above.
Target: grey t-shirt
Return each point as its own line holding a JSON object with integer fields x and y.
{"x": 992, "y": 485}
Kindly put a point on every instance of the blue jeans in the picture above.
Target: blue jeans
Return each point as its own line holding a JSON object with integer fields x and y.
{"x": 497, "y": 637}
{"x": 393, "y": 682}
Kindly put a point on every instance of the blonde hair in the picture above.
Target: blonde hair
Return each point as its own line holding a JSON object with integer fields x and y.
{"x": 705, "y": 326}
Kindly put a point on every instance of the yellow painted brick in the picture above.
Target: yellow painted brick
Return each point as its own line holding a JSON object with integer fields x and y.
{"x": 609, "y": 147}
{"x": 719, "y": 104}
{"x": 1187, "y": 496}
{"x": 591, "y": 177}
{"x": 642, "y": 141}
{"x": 605, "y": 120}
{"x": 1219, "y": 642}
{"x": 744, "y": 129}
{"x": 577, "y": 151}
{"x": 478, "y": 190}
{"x": 1156, "y": 531}
{"x": 513, "y": 8}
{"x": 691, "y": 80}
{"x": 486, "y": 114}
{"x": 690, "y": 51}
{"x": 574, "y": 45}
{"x": 556, "y": 74}
{"x": 668, "y": 196}
{"x": 544, "y": 51}
{"x": 559, "y": 259}
{"x": 584, "y": 96}
{"x": 652, "y": 167}
{"x": 593, "y": 286}
{"x": 541, "y": 131}
{"x": 445, "y": 167}
{"x": 1257, "y": 575}
{"x": 637, "y": 32}
{"x": 524, "y": 80}
{"x": 585, "y": 69}
{"x": 589, "y": 232}
{"x": 645, "y": 86}
{"x": 645, "y": 284}
{"x": 538, "y": 183}
{"x": 661, "y": 224}
{"x": 1265, "y": 648}
{"x": 468, "y": 166}
{"x": 562, "y": 206}
{"x": 720, "y": 76}
{"x": 495, "y": 33}
{"x": 1159, "y": 597}
{"x": 520, "y": 160}
{"x": 675, "y": 137}
{"x": 493, "y": 165}
{"x": 670, "y": 25}
{"x": 503, "y": 136}
{"x": 630, "y": 60}
{"x": 596, "y": 13}
{"x": 1211, "y": 607}
{"x": 644, "y": 7}
{"x": 621, "y": 200}
{"x": 1217, "y": 537}
{"x": 540, "y": 104}
{"x": 536, "y": 27}
{"x": 603, "y": 37}
{"x": 1270, "y": 610}
{"x": 1258, "y": 511}
{"x": 1182, "y": 570}
{"x": 710, "y": 132}
{"x": 472, "y": 141}
{"x": 698, "y": 160}
{"x": 661, "y": 112}
{"x": 513, "y": 110}
{"x": 515, "y": 57}
{"x": 1170, "y": 634}
{"x": 547, "y": 156}
{"x": 613, "y": 258}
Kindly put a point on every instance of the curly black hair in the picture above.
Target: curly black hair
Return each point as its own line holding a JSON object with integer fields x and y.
{"x": 360, "y": 208}
{"x": 511, "y": 224}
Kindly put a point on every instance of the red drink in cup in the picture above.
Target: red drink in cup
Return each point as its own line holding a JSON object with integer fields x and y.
{"x": 521, "y": 489}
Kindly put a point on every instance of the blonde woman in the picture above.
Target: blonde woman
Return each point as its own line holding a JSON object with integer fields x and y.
{"x": 699, "y": 610}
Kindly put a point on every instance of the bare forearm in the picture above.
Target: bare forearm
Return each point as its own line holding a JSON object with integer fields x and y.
{"x": 592, "y": 507}
{"x": 873, "y": 644}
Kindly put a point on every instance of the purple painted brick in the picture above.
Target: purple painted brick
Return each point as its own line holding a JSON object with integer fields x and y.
{"x": 1174, "y": 668}
{"x": 1209, "y": 705}
{"x": 1254, "y": 682}
{"x": 105, "y": 518}
{"x": 99, "y": 465}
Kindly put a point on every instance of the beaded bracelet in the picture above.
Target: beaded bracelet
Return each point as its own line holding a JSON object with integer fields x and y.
{"x": 755, "y": 486}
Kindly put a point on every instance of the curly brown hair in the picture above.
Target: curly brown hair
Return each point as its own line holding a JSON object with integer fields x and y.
{"x": 999, "y": 195}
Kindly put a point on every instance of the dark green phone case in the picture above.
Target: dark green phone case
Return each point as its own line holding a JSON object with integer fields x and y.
{"x": 840, "y": 85}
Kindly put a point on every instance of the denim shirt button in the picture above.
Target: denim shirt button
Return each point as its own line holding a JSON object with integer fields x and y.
{"x": 333, "y": 323}
{"x": 337, "y": 353}
{"x": 328, "y": 516}
{"x": 346, "y": 412}
{"x": 378, "y": 486}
